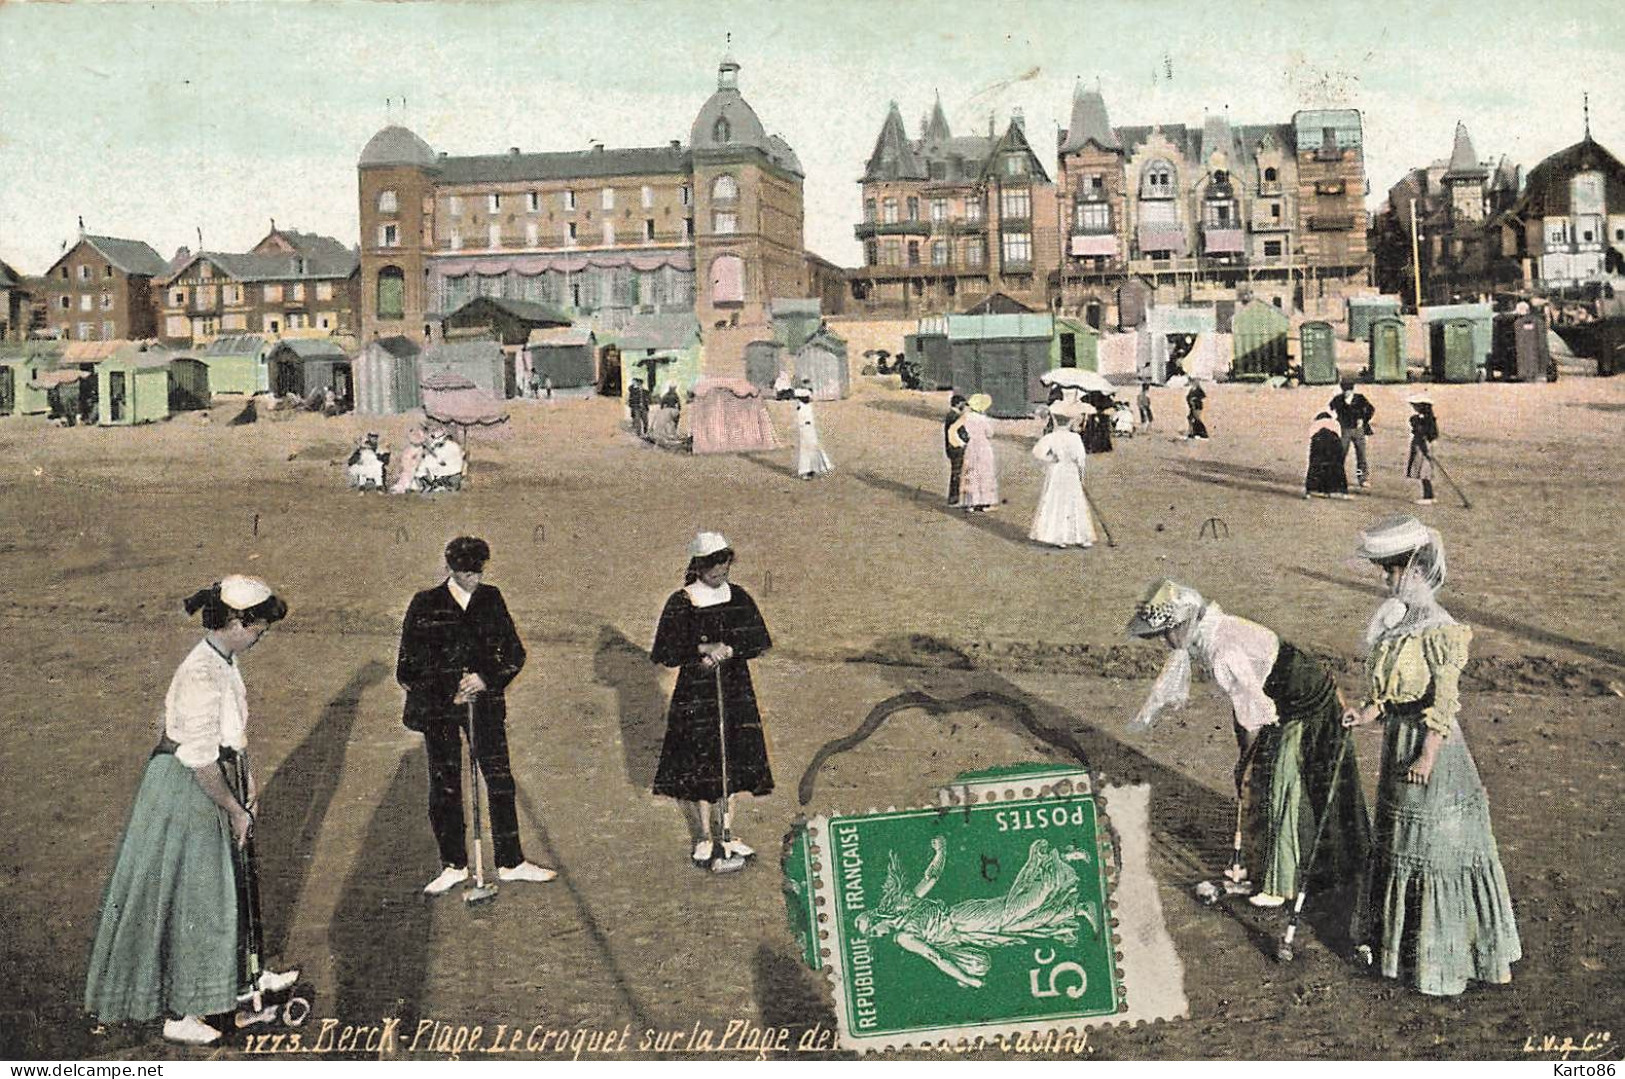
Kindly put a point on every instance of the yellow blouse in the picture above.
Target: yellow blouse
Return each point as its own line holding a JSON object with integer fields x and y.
{"x": 1401, "y": 669}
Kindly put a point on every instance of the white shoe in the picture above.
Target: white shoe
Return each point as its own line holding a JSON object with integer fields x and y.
{"x": 527, "y": 873}
{"x": 702, "y": 853}
{"x": 246, "y": 1018}
{"x": 1265, "y": 899}
{"x": 190, "y": 1030}
{"x": 449, "y": 878}
{"x": 1424, "y": 501}
{"x": 270, "y": 982}
{"x": 734, "y": 848}
{"x": 731, "y": 863}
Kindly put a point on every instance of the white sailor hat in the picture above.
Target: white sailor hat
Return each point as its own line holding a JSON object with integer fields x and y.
{"x": 707, "y": 543}
{"x": 242, "y": 593}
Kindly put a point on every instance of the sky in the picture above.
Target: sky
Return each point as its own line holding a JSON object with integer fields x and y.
{"x": 160, "y": 121}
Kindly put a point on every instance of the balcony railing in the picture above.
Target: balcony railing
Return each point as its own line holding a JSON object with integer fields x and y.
{"x": 868, "y": 229}
{"x": 1336, "y": 222}
{"x": 891, "y": 273}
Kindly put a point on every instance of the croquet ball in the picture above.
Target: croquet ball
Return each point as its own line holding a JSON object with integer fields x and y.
{"x": 1208, "y": 893}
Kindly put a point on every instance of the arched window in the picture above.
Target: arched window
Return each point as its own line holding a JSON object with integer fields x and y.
{"x": 720, "y": 131}
{"x": 391, "y": 292}
{"x": 386, "y": 202}
{"x": 727, "y": 280}
{"x": 1270, "y": 176}
{"x": 1157, "y": 182}
{"x": 725, "y": 187}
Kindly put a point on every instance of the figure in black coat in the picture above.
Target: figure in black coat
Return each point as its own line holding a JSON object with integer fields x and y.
{"x": 714, "y": 746}
{"x": 1354, "y": 414}
{"x": 459, "y": 650}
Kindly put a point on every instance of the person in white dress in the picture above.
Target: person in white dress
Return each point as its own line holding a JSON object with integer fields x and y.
{"x": 811, "y": 460}
{"x": 442, "y": 465}
{"x": 1063, "y": 511}
{"x": 366, "y": 465}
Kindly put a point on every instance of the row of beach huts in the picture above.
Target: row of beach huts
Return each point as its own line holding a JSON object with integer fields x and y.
{"x": 502, "y": 347}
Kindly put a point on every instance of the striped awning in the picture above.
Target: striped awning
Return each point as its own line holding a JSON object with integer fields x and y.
{"x": 1094, "y": 245}
{"x": 1156, "y": 239}
{"x": 1223, "y": 241}
{"x": 530, "y": 266}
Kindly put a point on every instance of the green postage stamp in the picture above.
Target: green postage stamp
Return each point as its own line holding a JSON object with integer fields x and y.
{"x": 988, "y": 915}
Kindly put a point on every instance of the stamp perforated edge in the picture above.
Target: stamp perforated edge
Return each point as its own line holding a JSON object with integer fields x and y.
{"x": 983, "y": 1034}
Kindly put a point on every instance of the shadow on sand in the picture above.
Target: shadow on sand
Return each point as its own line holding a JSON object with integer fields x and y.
{"x": 294, "y": 805}
{"x": 379, "y": 935}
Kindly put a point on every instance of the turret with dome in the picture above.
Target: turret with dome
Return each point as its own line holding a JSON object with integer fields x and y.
{"x": 711, "y": 229}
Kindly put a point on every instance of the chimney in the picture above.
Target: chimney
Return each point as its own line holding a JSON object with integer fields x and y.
{"x": 676, "y": 144}
{"x": 597, "y": 147}
{"x": 513, "y": 151}
{"x": 1019, "y": 120}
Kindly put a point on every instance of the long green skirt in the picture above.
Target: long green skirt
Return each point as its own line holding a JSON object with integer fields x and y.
{"x": 167, "y": 940}
{"x": 1434, "y": 906}
{"x": 1298, "y": 766}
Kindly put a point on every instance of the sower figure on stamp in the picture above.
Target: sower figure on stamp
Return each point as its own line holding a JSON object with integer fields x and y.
{"x": 1289, "y": 734}
{"x": 714, "y": 746}
{"x": 459, "y": 650}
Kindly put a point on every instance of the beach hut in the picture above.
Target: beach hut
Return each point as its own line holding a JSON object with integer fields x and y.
{"x": 762, "y": 362}
{"x": 387, "y": 381}
{"x": 304, "y": 366}
{"x": 1317, "y": 352}
{"x": 1075, "y": 344}
{"x": 189, "y": 387}
{"x": 478, "y": 359}
{"x": 1259, "y": 341}
{"x": 1133, "y": 301}
{"x": 133, "y": 385}
{"x": 566, "y": 354}
{"x": 1452, "y": 353}
{"x": 794, "y": 321}
{"x": 236, "y": 364}
{"x": 1363, "y": 310}
{"x": 509, "y": 321}
{"x": 928, "y": 348}
{"x": 729, "y": 415}
{"x": 1519, "y": 350}
{"x": 1170, "y": 336}
{"x": 821, "y": 363}
{"x": 660, "y": 350}
{"x": 1481, "y": 316}
{"x": 1386, "y": 349}
{"x": 20, "y": 368}
{"x": 1003, "y": 357}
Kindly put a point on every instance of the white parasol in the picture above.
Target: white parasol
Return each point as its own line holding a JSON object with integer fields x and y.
{"x": 1076, "y": 378}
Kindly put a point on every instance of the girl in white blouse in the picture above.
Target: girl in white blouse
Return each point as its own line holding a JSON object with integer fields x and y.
{"x": 1288, "y": 725}
{"x": 167, "y": 943}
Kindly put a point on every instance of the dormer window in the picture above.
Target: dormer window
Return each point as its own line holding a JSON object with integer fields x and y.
{"x": 1015, "y": 165}
{"x": 1157, "y": 181}
{"x": 720, "y": 131}
{"x": 386, "y": 202}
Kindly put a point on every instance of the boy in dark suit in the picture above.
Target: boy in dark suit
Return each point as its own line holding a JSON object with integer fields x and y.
{"x": 459, "y": 651}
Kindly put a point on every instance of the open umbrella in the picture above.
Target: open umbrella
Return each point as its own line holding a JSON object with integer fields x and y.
{"x": 457, "y": 402}
{"x": 1076, "y": 378}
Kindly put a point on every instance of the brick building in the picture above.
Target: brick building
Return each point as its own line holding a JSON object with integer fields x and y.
{"x": 712, "y": 228}
{"x": 1197, "y": 213}
{"x": 290, "y": 283}
{"x": 1566, "y": 230}
{"x": 101, "y": 290}
{"x": 16, "y": 304}
{"x": 949, "y": 220}
{"x": 1455, "y": 201}
{"x": 1200, "y": 213}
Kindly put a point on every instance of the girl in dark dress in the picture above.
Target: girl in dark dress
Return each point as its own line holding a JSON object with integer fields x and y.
{"x": 1097, "y": 426}
{"x": 1424, "y": 432}
{"x": 708, "y": 631}
{"x": 1326, "y": 477}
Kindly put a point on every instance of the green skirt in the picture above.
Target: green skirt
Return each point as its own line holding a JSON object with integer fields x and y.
{"x": 1434, "y": 906}
{"x": 167, "y": 939}
{"x": 1298, "y": 767}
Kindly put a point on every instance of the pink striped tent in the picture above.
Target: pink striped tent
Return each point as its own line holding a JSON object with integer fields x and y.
{"x": 729, "y": 416}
